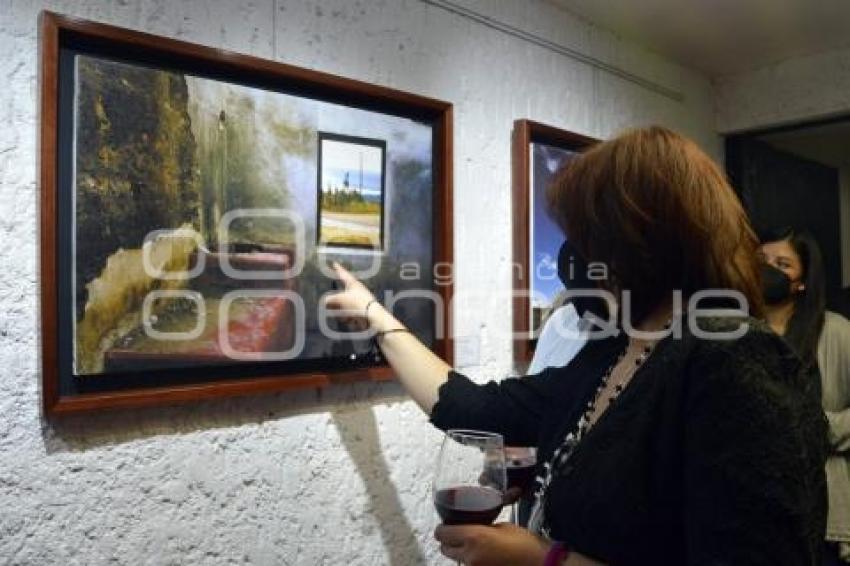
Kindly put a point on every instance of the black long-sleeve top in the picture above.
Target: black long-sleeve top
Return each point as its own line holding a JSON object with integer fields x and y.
{"x": 713, "y": 455}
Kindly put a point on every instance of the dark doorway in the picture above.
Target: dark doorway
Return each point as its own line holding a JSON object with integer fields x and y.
{"x": 793, "y": 177}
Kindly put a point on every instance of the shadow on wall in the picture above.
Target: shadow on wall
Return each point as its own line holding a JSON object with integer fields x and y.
{"x": 351, "y": 409}
{"x": 358, "y": 431}
{"x": 78, "y": 433}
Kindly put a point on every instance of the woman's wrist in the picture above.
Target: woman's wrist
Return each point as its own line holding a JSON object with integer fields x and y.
{"x": 557, "y": 555}
{"x": 379, "y": 318}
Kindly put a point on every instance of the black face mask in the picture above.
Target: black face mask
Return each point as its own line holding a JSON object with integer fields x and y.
{"x": 573, "y": 273}
{"x": 776, "y": 285}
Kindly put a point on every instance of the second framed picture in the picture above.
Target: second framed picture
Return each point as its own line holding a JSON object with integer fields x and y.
{"x": 539, "y": 152}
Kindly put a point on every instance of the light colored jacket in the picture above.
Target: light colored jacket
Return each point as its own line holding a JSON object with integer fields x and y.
{"x": 562, "y": 337}
{"x": 834, "y": 362}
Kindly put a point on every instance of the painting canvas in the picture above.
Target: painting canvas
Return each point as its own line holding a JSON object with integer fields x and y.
{"x": 205, "y": 213}
{"x": 545, "y": 236}
{"x": 351, "y": 179}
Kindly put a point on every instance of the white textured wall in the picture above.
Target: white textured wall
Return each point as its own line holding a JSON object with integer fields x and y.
{"x": 337, "y": 478}
{"x": 795, "y": 90}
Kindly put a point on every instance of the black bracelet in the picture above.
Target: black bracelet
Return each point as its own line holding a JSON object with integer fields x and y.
{"x": 366, "y": 310}
{"x": 376, "y": 348}
{"x": 390, "y": 331}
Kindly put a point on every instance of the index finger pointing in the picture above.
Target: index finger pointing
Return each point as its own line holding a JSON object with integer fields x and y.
{"x": 343, "y": 274}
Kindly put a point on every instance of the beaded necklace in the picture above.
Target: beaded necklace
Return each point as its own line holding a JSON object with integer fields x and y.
{"x": 536, "y": 523}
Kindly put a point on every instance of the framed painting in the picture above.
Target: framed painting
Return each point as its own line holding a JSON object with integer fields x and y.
{"x": 192, "y": 202}
{"x": 539, "y": 151}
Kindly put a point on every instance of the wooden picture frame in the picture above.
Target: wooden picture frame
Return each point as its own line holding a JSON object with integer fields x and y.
{"x": 60, "y": 35}
{"x": 526, "y": 133}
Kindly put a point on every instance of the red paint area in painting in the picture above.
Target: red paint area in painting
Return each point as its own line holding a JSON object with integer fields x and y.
{"x": 254, "y": 324}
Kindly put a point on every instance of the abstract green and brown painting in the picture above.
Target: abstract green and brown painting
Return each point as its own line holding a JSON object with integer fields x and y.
{"x": 206, "y": 213}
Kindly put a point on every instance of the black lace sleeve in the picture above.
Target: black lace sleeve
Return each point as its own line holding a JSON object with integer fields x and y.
{"x": 513, "y": 407}
{"x": 754, "y": 457}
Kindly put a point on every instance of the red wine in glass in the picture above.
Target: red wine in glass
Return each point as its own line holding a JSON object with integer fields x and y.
{"x": 520, "y": 465}
{"x": 469, "y": 484}
{"x": 468, "y": 505}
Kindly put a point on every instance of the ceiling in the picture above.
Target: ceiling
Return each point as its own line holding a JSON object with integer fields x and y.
{"x": 828, "y": 144}
{"x": 722, "y": 37}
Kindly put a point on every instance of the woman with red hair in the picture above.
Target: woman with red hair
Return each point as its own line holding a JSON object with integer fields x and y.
{"x": 684, "y": 436}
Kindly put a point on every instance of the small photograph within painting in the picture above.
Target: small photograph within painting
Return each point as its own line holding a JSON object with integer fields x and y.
{"x": 546, "y": 237}
{"x": 351, "y": 191}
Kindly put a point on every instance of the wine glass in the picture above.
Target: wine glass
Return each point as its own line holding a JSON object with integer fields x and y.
{"x": 520, "y": 465}
{"x": 470, "y": 482}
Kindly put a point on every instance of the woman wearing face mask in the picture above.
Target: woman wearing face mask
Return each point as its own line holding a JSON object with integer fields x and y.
{"x": 654, "y": 448}
{"x": 795, "y": 297}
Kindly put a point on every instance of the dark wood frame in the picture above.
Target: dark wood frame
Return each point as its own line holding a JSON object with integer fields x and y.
{"x": 380, "y": 144}
{"x": 55, "y": 31}
{"x": 525, "y": 133}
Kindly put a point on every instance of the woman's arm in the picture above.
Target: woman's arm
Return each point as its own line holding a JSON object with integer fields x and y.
{"x": 837, "y": 362}
{"x": 420, "y": 371}
{"x": 839, "y": 429}
{"x": 513, "y": 407}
